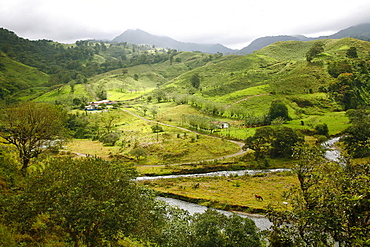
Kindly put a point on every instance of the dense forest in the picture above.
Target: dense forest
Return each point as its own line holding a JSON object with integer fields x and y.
{"x": 80, "y": 122}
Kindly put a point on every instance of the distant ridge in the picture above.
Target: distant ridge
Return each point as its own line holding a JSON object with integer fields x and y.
{"x": 141, "y": 37}
{"x": 259, "y": 43}
{"x": 361, "y": 32}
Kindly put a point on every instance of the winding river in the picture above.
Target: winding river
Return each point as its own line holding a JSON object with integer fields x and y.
{"x": 261, "y": 222}
{"x": 213, "y": 174}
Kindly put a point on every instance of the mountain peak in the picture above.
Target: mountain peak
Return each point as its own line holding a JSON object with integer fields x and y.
{"x": 140, "y": 37}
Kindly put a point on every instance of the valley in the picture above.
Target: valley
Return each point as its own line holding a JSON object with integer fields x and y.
{"x": 125, "y": 111}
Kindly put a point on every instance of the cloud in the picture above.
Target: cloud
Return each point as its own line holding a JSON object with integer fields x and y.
{"x": 233, "y": 23}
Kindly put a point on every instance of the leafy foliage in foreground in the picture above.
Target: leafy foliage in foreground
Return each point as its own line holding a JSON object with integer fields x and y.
{"x": 92, "y": 202}
{"x": 83, "y": 201}
{"x": 330, "y": 205}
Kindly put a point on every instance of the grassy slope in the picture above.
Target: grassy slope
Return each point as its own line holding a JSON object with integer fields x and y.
{"x": 22, "y": 76}
{"x": 121, "y": 86}
{"x": 281, "y": 69}
{"x": 278, "y": 71}
{"x": 171, "y": 146}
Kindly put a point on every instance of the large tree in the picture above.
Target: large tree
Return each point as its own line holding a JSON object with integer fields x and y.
{"x": 30, "y": 126}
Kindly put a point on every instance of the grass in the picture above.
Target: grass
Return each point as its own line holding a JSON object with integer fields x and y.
{"x": 168, "y": 147}
{"x": 237, "y": 191}
{"x": 93, "y": 148}
{"x": 336, "y": 121}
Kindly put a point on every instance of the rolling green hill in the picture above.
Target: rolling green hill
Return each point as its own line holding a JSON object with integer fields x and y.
{"x": 17, "y": 79}
{"x": 279, "y": 71}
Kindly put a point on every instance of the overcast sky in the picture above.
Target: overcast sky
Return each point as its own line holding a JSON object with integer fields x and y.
{"x": 233, "y": 23}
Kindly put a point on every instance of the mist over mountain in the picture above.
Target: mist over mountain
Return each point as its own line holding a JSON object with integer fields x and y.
{"x": 141, "y": 37}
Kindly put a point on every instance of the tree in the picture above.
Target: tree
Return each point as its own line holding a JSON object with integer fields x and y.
{"x": 345, "y": 91}
{"x": 208, "y": 229}
{"x": 352, "y": 52}
{"x": 316, "y": 49}
{"x": 212, "y": 228}
{"x": 156, "y": 128}
{"x": 85, "y": 201}
{"x": 283, "y": 142}
{"x": 110, "y": 138}
{"x": 275, "y": 143}
{"x": 101, "y": 93}
{"x": 195, "y": 80}
{"x": 29, "y": 126}
{"x": 357, "y": 136}
{"x": 278, "y": 110}
{"x": 322, "y": 129}
{"x": 260, "y": 142}
{"x": 138, "y": 152}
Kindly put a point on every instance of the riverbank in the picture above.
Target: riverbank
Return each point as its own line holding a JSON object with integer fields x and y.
{"x": 248, "y": 211}
{"x": 232, "y": 192}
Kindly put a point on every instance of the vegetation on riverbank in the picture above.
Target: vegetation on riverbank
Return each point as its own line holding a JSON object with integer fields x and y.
{"x": 229, "y": 192}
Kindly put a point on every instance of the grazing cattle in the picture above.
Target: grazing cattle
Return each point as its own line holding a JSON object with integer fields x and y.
{"x": 258, "y": 197}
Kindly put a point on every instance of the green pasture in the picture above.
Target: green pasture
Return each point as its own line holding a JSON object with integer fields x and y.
{"x": 170, "y": 146}
{"x": 230, "y": 190}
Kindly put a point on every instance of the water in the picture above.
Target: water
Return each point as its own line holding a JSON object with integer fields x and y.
{"x": 261, "y": 222}
{"x": 332, "y": 153}
{"x": 213, "y": 174}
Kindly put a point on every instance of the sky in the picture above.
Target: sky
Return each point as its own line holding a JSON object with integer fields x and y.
{"x": 233, "y": 23}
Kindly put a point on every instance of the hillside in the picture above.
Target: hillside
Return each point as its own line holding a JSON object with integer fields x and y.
{"x": 17, "y": 79}
{"x": 279, "y": 71}
{"x": 361, "y": 32}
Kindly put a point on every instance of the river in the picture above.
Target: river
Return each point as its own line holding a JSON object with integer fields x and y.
{"x": 213, "y": 174}
{"x": 331, "y": 152}
{"x": 261, "y": 222}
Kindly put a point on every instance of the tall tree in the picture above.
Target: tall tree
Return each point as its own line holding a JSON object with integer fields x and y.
{"x": 29, "y": 126}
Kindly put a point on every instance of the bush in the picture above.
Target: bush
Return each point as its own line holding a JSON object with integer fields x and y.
{"x": 322, "y": 129}
{"x": 110, "y": 138}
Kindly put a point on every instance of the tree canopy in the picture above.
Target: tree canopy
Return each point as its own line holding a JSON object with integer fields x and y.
{"x": 30, "y": 126}
{"x": 85, "y": 200}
